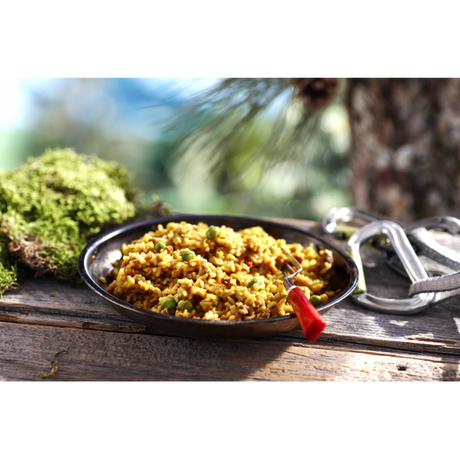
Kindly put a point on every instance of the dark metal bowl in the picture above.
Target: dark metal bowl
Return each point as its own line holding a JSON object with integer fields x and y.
{"x": 97, "y": 258}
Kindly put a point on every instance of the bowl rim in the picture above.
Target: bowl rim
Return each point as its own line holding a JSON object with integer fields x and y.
{"x": 93, "y": 245}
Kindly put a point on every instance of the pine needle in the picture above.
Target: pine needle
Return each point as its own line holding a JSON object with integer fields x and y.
{"x": 54, "y": 367}
{"x": 212, "y": 125}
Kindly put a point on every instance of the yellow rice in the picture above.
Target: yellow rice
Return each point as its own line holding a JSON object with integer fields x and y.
{"x": 217, "y": 281}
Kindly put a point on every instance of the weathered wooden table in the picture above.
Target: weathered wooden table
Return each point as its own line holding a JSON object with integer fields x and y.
{"x": 45, "y": 317}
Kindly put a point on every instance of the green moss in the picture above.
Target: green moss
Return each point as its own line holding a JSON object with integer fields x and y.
{"x": 8, "y": 269}
{"x": 51, "y": 204}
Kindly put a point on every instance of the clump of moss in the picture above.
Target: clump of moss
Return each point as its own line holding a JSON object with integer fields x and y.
{"x": 51, "y": 204}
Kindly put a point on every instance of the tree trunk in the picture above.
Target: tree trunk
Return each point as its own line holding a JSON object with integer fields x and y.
{"x": 405, "y": 153}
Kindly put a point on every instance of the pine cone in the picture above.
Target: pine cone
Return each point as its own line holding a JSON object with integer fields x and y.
{"x": 315, "y": 92}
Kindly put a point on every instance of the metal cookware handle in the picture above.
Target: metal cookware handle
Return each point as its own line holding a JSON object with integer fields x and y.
{"x": 409, "y": 259}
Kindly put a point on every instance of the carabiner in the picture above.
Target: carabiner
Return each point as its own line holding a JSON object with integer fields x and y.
{"x": 348, "y": 214}
{"x": 409, "y": 259}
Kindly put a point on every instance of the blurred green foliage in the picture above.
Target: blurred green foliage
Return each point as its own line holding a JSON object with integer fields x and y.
{"x": 191, "y": 183}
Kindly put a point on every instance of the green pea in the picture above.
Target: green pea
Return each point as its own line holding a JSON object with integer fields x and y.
{"x": 185, "y": 305}
{"x": 159, "y": 246}
{"x": 316, "y": 300}
{"x": 213, "y": 232}
{"x": 253, "y": 281}
{"x": 169, "y": 304}
{"x": 177, "y": 298}
{"x": 187, "y": 255}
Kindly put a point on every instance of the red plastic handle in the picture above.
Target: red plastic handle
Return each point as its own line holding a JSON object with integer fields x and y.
{"x": 311, "y": 322}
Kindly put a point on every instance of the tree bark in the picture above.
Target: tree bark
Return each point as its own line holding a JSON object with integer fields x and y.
{"x": 405, "y": 152}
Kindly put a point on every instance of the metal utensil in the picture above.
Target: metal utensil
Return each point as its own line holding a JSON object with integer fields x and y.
{"x": 311, "y": 322}
{"x": 332, "y": 222}
{"x": 409, "y": 259}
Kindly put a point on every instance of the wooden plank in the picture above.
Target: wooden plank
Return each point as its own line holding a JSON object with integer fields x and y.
{"x": 109, "y": 356}
{"x": 436, "y": 330}
{"x": 46, "y": 316}
{"x": 48, "y": 301}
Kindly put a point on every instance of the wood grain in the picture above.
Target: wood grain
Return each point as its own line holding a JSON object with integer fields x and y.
{"x": 46, "y": 316}
{"x": 108, "y": 356}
